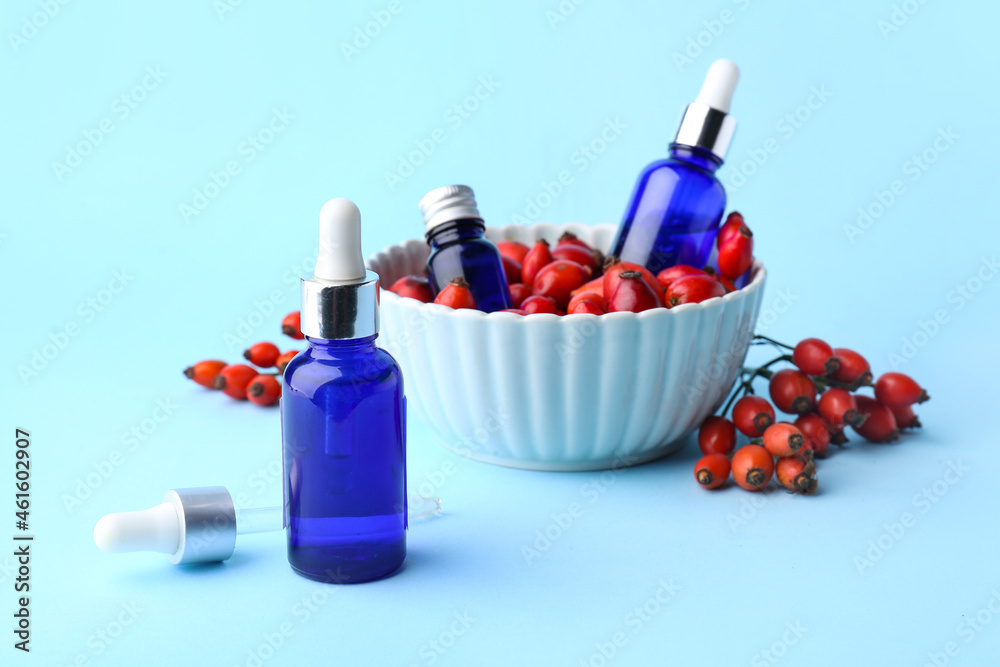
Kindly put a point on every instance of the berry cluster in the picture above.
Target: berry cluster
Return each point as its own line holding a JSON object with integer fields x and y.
{"x": 243, "y": 382}
{"x": 573, "y": 278}
{"x": 820, "y": 389}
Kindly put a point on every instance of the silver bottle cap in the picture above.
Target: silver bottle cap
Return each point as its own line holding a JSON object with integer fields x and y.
{"x": 706, "y": 122}
{"x": 340, "y": 310}
{"x": 207, "y": 524}
{"x": 451, "y": 202}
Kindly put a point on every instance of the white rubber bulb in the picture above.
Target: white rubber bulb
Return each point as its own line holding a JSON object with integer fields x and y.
{"x": 340, "y": 258}
{"x": 156, "y": 529}
{"x": 720, "y": 83}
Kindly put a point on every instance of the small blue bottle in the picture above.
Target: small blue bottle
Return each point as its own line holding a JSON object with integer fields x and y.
{"x": 343, "y": 421}
{"x": 673, "y": 216}
{"x": 459, "y": 249}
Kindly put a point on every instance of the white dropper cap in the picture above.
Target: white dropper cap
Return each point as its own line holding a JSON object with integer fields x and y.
{"x": 720, "y": 84}
{"x": 340, "y": 258}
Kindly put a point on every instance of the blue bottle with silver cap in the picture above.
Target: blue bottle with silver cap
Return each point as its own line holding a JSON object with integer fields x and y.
{"x": 343, "y": 421}
{"x": 673, "y": 216}
{"x": 459, "y": 248}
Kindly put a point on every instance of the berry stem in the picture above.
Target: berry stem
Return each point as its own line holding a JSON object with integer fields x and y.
{"x": 773, "y": 342}
{"x": 746, "y": 385}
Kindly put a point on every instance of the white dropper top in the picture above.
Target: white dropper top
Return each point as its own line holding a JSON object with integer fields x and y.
{"x": 156, "y": 529}
{"x": 720, "y": 83}
{"x": 340, "y": 258}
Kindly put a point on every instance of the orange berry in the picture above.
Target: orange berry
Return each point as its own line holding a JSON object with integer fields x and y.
{"x": 783, "y": 439}
{"x": 712, "y": 471}
{"x": 233, "y": 380}
{"x": 204, "y": 372}
{"x": 752, "y": 467}
{"x": 284, "y": 359}
{"x": 291, "y": 326}
{"x": 797, "y": 474}
{"x": 456, "y": 295}
{"x": 264, "y": 355}
{"x": 264, "y": 390}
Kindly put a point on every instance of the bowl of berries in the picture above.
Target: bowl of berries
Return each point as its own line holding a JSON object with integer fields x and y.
{"x": 599, "y": 364}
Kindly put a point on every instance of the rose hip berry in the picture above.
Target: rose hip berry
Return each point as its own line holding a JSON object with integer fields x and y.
{"x": 264, "y": 355}
{"x": 797, "y": 474}
{"x": 518, "y": 293}
{"x": 792, "y": 391}
{"x": 906, "y": 417}
{"x": 515, "y": 250}
{"x": 717, "y": 435}
{"x": 204, "y": 372}
{"x": 413, "y": 287}
{"x": 595, "y": 285}
{"x": 557, "y": 279}
{"x": 783, "y": 439}
{"x": 612, "y": 276}
{"x": 667, "y": 276}
{"x": 516, "y": 311}
{"x": 752, "y": 415}
{"x": 587, "y": 302}
{"x": 879, "y": 423}
{"x": 582, "y": 255}
{"x": 752, "y": 466}
{"x": 284, "y": 359}
{"x": 854, "y": 369}
{"x": 539, "y": 304}
{"x": 712, "y": 470}
{"x": 815, "y": 357}
{"x": 512, "y": 269}
{"x": 537, "y": 257}
{"x": 291, "y": 326}
{"x": 633, "y": 294}
{"x": 736, "y": 253}
{"x": 456, "y": 294}
{"x": 838, "y": 407}
{"x": 816, "y": 431}
{"x": 234, "y": 379}
{"x": 693, "y": 289}
{"x": 731, "y": 226}
{"x": 569, "y": 238}
{"x": 264, "y": 390}
{"x": 897, "y": 390}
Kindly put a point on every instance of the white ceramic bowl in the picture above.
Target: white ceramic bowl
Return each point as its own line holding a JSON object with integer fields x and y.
{"x": 578, "y": 392}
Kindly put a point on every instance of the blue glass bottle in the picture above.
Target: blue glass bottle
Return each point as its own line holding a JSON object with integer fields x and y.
{"x": 459, "y": 248}
{"x": 343, "y": 421}
{"x": 674, "y": 213}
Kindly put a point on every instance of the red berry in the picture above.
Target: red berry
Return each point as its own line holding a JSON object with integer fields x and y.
{"x": 233, "y": 380}
{"x": 736, "y": 253}
{"x": 585, "y": 307}
{"x": 557, "y": 279}
{"x": 753, "y": 467}
{"x": 569, "y": 238}
{"x": 595, "y": 285}
{"x": 838, "y": 407}
{"x": 854, "y": 369}
{"x": 515, "y": 250}
{"x": 264, "y": 355}
{"x": 816, "y": 431}
{"x": 898, "y": 391}
{"x": 783, "y": 439}
{"x": 614, "y": 268}
{"x": 284, "y": 359}
{"x": 792, "y": 391}
{"x": 712, "y": 471}
{"x": 264, "y": 390}
{"x": 752, "y": 415}
{"x": 667, "y": 276}
{"x": 632, "y": 294}
{"x": 516, "y": 311}
{"x": 731, "y": 226}
{"x": 291, "y": 326}
{"x": 879, "y": 423}
{"x": 585, "y": 257}
{"x": 717, "y": 435}
{"x": 512, "y": 269}
{"x": 726, "y": 282}
{"x": 204, "y": 372}
{"x": 539, "y": 304}
{"x": 797, "y": 474}
{"x": 414, "y": 287}
{"x": 456, "y": 294}
{"x": 518, "y": 293}
{"x": 596, "y": 301}
{"x": 537, "y": 257}
{"x": 906, "y": 417}
{"x": 814, "y": 357}
{"x": 693, "y": 289}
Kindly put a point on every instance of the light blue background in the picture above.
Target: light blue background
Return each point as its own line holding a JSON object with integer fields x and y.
{"x": 190, "y": 284}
